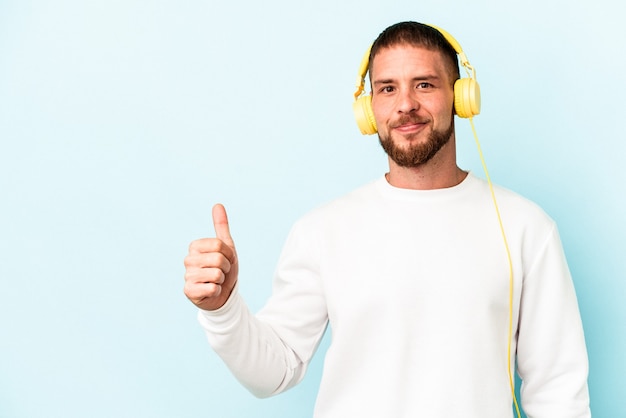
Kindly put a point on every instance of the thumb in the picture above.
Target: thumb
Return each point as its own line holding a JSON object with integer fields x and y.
{"x": 220, "y": 223}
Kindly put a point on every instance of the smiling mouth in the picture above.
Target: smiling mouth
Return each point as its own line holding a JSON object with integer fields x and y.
{"x": 409, "y": 127}
{"x": 408, "y": 123}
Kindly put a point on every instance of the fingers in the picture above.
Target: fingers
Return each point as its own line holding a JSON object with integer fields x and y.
{"x": 205, "y": 273}
{"x": 220, "y": 223}
{"x": 199, "y": 293}
{"x": 205, "y": 276}
{"x": 208, "y": 260}
{"x": 212, "y": 245}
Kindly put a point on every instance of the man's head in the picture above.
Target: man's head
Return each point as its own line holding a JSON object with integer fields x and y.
{"x": 412, "y": 72}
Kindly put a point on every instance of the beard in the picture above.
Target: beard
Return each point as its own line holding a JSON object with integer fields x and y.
{"x": 416, "y": 154}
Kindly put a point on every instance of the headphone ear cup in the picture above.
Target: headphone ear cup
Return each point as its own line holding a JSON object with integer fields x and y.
{"x": 364, "y": 115}
{"x": 466, "y": 97}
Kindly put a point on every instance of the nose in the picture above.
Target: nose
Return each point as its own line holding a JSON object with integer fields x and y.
{"x": 407, "y": 102}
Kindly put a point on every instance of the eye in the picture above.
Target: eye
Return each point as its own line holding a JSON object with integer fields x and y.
{"x": 424, "y": 85}
{"x": 387, "y": 89}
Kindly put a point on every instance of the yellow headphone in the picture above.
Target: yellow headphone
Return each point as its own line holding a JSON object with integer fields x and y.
{"x": 466, "y": 90}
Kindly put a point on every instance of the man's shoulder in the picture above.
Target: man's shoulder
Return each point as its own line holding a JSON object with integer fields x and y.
{"x": 347, "y": 204}
{"x": 516, "y": 207}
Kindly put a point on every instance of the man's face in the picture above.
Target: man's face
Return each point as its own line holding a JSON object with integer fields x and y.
{"x": 412, "y": 100}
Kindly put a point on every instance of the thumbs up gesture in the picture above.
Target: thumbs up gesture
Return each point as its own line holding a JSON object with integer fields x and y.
{"x": 211, "y": 267}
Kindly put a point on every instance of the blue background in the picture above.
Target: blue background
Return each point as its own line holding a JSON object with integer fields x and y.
{"x": 123, "y": 122}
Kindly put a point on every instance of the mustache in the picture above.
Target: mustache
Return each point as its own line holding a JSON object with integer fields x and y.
{"x": 407, "y": 120}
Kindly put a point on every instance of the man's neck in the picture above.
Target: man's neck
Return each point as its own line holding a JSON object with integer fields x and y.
{"x": 435, "y": 174}
{"x": 425, "y": 178}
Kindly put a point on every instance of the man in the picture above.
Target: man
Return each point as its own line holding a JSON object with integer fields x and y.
{"x": 411, "y": 274}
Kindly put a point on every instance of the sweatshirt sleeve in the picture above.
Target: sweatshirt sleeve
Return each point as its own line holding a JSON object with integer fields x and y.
{"x": 551, "y": 353}
{"x": 269, "y": 352}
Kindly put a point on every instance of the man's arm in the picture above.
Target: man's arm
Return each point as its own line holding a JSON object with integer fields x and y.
{"x": 551, "y": 352}
{"x": 269, "y": 353}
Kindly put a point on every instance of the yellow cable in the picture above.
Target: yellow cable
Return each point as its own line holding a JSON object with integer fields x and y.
{"x": 508, "y": 253}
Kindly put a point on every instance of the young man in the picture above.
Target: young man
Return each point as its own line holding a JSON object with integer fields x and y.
{"x": 411, "y": 274}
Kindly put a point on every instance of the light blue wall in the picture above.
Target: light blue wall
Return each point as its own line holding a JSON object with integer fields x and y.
{"x": 122, "y": 122}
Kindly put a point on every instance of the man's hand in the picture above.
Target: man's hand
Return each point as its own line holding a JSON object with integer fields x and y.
{"x": 212, "y": 266}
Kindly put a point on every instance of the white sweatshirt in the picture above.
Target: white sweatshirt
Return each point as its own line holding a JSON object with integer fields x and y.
{"x": 415, "y": 287}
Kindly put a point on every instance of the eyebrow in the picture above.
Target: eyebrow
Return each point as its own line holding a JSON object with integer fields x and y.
{"x": 427, "y": 77}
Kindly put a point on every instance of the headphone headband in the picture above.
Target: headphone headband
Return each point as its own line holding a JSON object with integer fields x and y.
{"x": 360, "y": 81}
